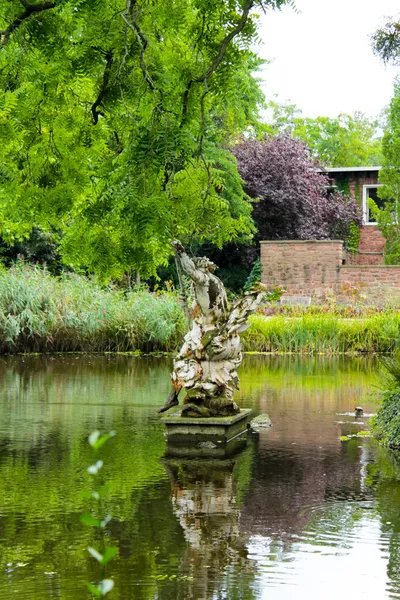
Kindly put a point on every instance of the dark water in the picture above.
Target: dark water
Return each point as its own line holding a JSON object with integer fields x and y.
{"x": 297, "y": 514}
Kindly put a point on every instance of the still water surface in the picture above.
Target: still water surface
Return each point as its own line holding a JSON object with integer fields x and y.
{"x": 296, "y": 514}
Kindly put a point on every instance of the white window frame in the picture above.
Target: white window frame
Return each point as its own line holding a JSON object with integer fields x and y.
{"x": 365, "y": 207}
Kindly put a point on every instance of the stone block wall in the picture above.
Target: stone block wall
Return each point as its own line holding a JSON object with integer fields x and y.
{"x": 314, "y": 267}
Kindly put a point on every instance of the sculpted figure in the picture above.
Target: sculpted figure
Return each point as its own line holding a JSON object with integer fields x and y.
{"x": 206, "y": 364}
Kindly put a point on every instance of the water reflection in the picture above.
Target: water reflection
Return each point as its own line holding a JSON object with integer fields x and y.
{"x": 296, "y": 513}
{"x": 203, "y": 496}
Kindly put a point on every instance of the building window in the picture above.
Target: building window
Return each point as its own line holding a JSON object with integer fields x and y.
{"x": 370, "y": 192}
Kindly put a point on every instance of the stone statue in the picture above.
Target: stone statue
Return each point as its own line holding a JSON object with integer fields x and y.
{"x": 207, "y": 362}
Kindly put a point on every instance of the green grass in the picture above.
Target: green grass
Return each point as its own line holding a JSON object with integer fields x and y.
{"x": 326, "y": 334}
{"x": 41, "y": 313}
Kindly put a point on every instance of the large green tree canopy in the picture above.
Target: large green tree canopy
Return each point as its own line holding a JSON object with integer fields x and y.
{"x": 115, "y": 118}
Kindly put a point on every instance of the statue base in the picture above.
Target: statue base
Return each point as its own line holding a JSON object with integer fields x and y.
{"x": 206, "y": 433}
{"x": 207, "y": 450}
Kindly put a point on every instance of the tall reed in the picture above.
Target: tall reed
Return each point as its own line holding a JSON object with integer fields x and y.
{"x": 41, "y": 313}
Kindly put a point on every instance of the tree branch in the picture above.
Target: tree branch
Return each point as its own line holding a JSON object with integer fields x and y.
{"x": 217, "y": 61}
{"x": 106, "y": 78}
{"x": 225, "y": 42}
{"x": 29, "y": 10}
{"x": 185, "y": 102}
{"x": 129, "y": 19}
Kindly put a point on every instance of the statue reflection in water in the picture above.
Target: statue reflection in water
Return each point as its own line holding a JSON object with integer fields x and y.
{"x": 205, "y": 503}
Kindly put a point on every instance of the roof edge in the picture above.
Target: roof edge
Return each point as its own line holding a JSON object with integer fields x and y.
{"x": 347, "y": 169}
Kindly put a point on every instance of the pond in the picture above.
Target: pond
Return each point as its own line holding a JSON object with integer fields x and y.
{"x": 297, "y": 513}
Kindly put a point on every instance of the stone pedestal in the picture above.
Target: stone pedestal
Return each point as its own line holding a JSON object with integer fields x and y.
{"x": 207, "y": 437}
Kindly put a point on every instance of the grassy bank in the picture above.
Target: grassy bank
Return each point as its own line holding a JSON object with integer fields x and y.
{"x": 323, "y": 333}
{"x": 386, "y": 424}
{"x": 40, "y": 313}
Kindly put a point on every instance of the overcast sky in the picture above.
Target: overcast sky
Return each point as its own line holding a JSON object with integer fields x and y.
{"x": 322, "y": 58}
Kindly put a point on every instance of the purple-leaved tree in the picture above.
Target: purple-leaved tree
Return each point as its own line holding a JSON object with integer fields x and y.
{"x": 294, "y": 202}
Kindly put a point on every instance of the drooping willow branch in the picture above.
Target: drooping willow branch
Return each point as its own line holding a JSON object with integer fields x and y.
{"x": 30, "y": 9}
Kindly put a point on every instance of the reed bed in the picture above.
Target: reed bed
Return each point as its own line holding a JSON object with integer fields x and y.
{"x": 41, "y": 313}
{"x": 323, "y": 334}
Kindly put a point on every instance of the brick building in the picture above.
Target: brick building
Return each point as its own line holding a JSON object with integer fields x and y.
{"x": 314, "y": 267}
{"x": 362, "y": 183}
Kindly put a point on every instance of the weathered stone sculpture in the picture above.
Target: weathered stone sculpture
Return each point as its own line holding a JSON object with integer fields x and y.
{"x": 206, "y": 364}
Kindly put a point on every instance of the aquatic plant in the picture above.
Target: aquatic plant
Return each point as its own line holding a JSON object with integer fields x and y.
{"x": 328, "y": 305}
{"x": 98, "y": 520}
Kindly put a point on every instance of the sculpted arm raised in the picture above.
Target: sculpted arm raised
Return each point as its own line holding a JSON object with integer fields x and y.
{"x": 188, "y": 265}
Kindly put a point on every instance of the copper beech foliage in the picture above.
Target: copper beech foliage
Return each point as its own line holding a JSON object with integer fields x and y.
{"x": 295, "y": 200}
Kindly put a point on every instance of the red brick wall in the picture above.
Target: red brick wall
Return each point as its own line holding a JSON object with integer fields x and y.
{"x": 378, "y": 283}
{"x": 366, "y": 258}
{"x": 301, "y": 267}
{"x": 371, "y": 248}
{"x": 372, "y": 243}
{"x": 352, "y": 178}
{"x": 371, "y": 239}
{"x": 312, "y": 267}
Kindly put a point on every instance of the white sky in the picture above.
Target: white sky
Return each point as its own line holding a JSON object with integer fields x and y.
{"x": 322, "y": 57}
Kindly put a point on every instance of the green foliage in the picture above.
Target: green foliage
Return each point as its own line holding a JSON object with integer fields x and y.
{"x": 343, "y": 141}
{"x": 96, "y": 441}
{"x": 41, "y": 313}
{"x": 386, "y": 424}
{"x": 343, "y": 186}
{"x": 255, "y": 275}
{"x": 327, "y": 334}
{"x": 114, "y": 123}
{"x": 353, "y": 241}
{"x": 388, "y": 217}
{"x": 386, "y": 42}
{"x": 359, "y": 434}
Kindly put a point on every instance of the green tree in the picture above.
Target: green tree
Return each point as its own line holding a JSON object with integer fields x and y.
{"x": 342, "y": 141}
{"x": 115, "y": 118}
{"x": 386, "y": 42}
{"x": 388, "y": 217}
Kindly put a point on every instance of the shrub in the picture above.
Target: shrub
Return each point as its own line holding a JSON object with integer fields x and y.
{"x": 293, "y": 199}
{"x": 386, "y": 424}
